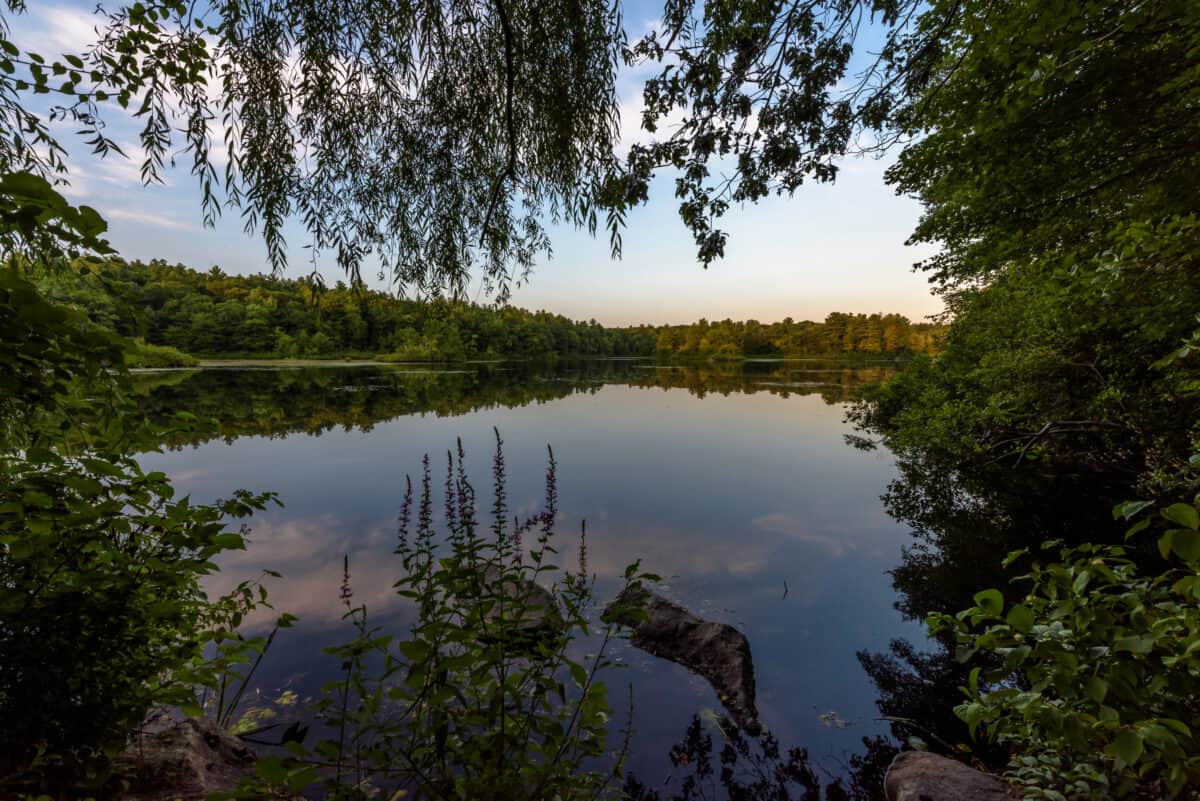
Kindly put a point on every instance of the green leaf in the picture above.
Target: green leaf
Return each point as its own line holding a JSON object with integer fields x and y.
{"x": 1183, "y": 514}
{"x": 1013, "y": 556}
{"x": 229, "y": 541}
{"x": 1158, "y": 737}
{"x": 578, "y": 673}
{"x": 1081, "y": 581}
{"x": 1177, "y": 726}
{"x": 1185, "y": 543}
{"x": 1129, "y": 509}
{"x": 1126, "y": 746}
{"x": 1137, "y": 527}
{"x": 972, "y": 714}
{"x": 1134, "y": 645}
{"x": 990, "y": 602}
{"x": 272, "y": 770}
{"x": 414, "y": 650}
{"x": 1165, "y": 542}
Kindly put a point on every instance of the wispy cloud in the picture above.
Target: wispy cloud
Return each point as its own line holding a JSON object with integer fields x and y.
{"x": 140, "y": 217}
{"x": 795, "y": 529}
{"x": 52, "y": 29}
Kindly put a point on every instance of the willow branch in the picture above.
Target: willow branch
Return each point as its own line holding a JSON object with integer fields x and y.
{"x": 510, "y": 169}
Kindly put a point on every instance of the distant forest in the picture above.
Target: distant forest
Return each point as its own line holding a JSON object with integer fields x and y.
{"x": 216, "y": 314}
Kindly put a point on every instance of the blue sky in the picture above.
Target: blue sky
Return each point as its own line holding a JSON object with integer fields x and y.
{"x": 836, "y": 247}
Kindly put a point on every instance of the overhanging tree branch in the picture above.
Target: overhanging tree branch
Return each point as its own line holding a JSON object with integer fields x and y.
{"x": 510, "y": 169}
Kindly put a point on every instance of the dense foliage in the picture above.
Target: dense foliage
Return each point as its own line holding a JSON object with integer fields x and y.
{"x": 439, "y": 139}
{"x": 840, "y": 333}
{"x": 1057, "y": 177}
{"x": 101, "y": 612}
{"x": 433, "y": 137}
{"x": 1108, "y": 656}
{"x": 1055, "y": 159}
{"x": 213, "y": 313}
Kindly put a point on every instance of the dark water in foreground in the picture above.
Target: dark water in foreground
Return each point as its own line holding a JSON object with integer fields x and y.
{"x": 730, "y": 482}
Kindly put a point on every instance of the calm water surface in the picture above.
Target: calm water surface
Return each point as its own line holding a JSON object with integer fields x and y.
{"x": 730, "y": 482}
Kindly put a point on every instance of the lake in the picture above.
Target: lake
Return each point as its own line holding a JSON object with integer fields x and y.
{"x": 733, "y": 482}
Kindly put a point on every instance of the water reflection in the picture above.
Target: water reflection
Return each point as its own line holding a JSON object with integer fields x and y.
{"x": 733, "y": 482}
{"x": 311, "y": 400}
{"x": 965, "y": 517}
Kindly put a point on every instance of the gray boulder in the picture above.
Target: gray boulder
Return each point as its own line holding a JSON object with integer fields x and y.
{"x": 922, "y": 776}
{"x": 184, "y": 762}
{"x": 716, "y": 651}
{"x": 530, "y": 609}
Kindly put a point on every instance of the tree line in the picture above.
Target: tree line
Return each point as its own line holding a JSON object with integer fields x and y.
{"x": 840, "y": 333}
{"x": 213, "y": 313}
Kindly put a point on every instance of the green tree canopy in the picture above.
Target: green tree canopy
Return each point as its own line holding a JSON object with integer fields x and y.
{"x": 442, "y": 138}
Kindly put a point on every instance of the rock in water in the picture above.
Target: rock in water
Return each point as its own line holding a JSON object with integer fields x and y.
{"x": 922, "y": 776}
{"x": 717, "y": 651}
{"x": 536, "y": 613}
{"x": 187, "y": 761}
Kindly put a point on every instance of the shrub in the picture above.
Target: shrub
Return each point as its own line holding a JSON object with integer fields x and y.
{"x": 486, "y": 696}
{"x": 101, "y": 613}
{"x": 100, "y": 605}
{"x": 144, "y": 355}
{"x": 1100, "y": 683}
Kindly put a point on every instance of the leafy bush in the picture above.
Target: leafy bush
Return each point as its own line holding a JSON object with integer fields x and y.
{"x": 143, "y": 355}
{"x": 486, "y": 696}
{"x": 1100, "y": 684}
{"x": 100, "y": 605}
{"x": 101, "y": 612}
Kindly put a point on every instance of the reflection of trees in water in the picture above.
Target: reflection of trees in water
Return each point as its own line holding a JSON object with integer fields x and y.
{"x": 715, "y": 760}
{"x": 278, "y": 402}
{"x": 965, "y": 518}
{"x": 834, "y": 382}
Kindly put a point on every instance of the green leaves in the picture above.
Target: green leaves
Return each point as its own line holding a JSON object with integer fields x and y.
{"x": 1136, "y": 637}
{"x": 1126, "y": 747}
{"x": 36, "y": 220}
{"x": 1183, "y": 514}
{"x": 96, "y": 552}
{"x": 1183, "y": 542}
{"x": 1020, "y": 617}
{"x": 93, "y": 551}
{"x": 990, "y": 602}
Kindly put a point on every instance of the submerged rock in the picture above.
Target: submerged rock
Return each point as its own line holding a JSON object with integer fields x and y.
{"x": 716, "y": 651}
{"x": 922, "y": 776}
{"x": 185, "y": 762}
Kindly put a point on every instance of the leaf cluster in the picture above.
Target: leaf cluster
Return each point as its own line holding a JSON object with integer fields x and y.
{"x": 1100, "y": 665}
{"x": 101, "y": 610}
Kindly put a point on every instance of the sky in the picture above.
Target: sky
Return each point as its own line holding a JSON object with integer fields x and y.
{"x": 830, "y": 247}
